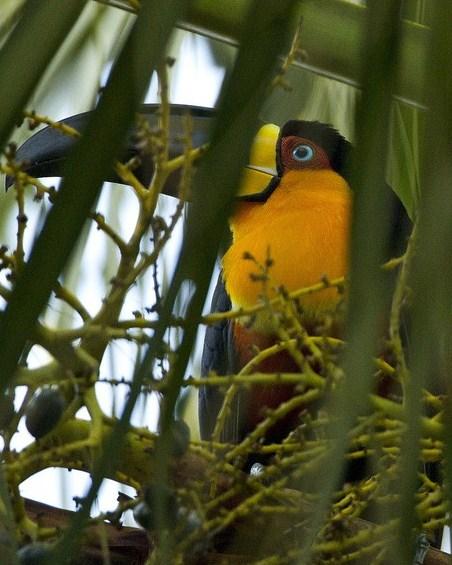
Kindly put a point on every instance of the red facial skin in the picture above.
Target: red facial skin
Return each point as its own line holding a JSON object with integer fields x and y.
{"x": 288, "y": 144}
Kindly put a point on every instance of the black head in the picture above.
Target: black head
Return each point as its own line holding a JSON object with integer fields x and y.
{"x": 306, "y": 145}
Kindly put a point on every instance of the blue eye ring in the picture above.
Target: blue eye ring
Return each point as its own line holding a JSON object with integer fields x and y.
{"x": 303, "y": 153}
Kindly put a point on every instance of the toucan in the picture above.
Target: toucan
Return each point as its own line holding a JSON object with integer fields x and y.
{"x": 293, "y": 211}
{"x": 293, "y": 216}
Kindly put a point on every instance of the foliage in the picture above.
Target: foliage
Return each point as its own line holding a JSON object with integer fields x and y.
{"x": 362, "y": 403}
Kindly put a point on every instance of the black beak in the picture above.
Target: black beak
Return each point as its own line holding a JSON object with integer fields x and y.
{"x": 44, "y": 153}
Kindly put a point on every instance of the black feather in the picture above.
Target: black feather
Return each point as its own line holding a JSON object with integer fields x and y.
{"x": 217, "y": 357}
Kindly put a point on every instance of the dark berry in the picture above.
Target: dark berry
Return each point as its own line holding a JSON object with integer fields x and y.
{"x": 44, "y": 412}
{"x": 34, "y": 554}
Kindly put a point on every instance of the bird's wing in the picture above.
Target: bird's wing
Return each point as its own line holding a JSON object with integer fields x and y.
{"x": 218, "y": 357}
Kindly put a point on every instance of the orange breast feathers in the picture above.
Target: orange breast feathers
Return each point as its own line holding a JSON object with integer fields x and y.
{"x": 304, "y": 227}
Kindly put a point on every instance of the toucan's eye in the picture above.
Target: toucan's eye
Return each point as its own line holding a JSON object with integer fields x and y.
{"x": 302, "y": 152}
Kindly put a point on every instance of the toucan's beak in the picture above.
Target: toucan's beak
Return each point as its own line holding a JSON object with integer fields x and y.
{"x": 260, "y": 176}
{"x": 44, "y": 154}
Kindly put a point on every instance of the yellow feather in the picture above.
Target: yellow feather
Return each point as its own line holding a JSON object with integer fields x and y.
{"x": 304, "y": 228}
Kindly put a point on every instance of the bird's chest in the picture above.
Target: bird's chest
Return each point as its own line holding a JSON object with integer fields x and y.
{"x": 295, "y": 239}
{"x": 261, "y": 398}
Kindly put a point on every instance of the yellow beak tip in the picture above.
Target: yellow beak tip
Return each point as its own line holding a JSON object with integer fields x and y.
{"x": 262, "y": 163}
